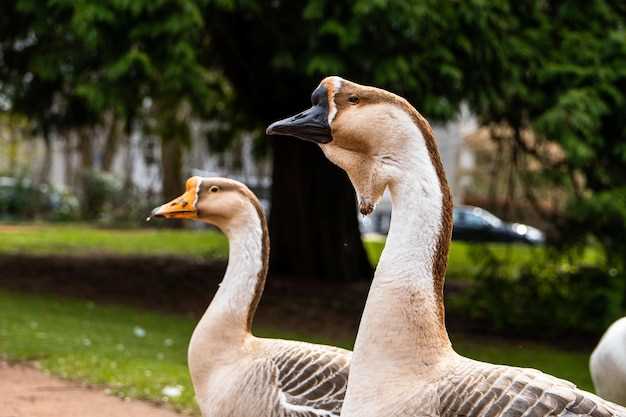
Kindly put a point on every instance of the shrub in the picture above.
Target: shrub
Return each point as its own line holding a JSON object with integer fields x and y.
{"x": 547, "y": 298}
{"x": 107, "y": 200}
{"x": 21, "y": 199}
{"x": 98, "y": 191}
{"x": 65, "y": 206}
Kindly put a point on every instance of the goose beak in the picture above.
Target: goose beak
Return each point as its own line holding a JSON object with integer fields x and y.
{"x": 182, "y": 207}
{"x": 310, "y": 125}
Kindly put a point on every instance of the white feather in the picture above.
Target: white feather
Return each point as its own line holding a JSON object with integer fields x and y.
{"x": 608, "y": 364}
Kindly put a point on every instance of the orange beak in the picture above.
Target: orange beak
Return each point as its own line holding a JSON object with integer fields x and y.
{"x": 183, "y": 207}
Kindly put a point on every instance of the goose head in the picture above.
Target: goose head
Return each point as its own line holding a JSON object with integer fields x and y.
{"x": 222, "y": 202}
{"x": 361, "y": 129}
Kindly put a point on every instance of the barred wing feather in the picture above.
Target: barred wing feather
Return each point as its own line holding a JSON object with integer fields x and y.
{"x": 481, "y": 390}
{"x": 311, "y": 379}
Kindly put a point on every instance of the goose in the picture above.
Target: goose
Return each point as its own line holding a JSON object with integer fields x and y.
{"x": 234, "y": 373}
{"x": 608, "y": 364}
{"x": 403, "y": 363}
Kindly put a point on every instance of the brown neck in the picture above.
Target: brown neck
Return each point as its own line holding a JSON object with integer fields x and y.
{"x": 239, "y": 293}
{"x": 440, "y": 260}
{"x": 406, "y": 297}
{"x": 265, "y": 255}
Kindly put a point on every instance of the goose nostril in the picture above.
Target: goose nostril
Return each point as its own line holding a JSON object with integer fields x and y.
{"x": 298, "y": 116}
{"x": 184, "y": 204}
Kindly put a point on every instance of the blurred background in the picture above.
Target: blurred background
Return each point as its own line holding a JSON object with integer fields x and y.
{"x": 107, "y": 107}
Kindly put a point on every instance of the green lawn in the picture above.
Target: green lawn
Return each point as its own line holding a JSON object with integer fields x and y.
{"x": 81, "y": 239}
{"x": 138, "y": 353}
{"x": 466, "y": 259}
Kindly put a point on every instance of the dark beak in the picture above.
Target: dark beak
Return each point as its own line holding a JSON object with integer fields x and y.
{"x": 311, "y": 125}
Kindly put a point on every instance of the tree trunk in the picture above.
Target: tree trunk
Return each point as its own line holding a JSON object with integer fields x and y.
{"x": 172, "y": 184}
{"x": 14, "y": 143}
{"x": 111, "y": 144}
{"x": 313, "y": 226}
{"x": 85, "y": 147}
{"x": 69, "y": 173}
{"x": 46, "y": 166}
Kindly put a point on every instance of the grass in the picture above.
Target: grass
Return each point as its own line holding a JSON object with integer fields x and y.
{"x": 568, "y": 364}
{"x": 83, "y": 239}
{"x": 465, "y": 259}
{"x": 78, "y": 239}
{"x": 138, "y": 353}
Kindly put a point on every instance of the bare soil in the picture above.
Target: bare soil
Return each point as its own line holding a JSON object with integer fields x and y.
{"x": 26, "y": 392}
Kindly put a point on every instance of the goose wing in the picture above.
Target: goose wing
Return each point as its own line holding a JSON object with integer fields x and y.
{"x": 311, "y": 379}
{"x": 475, "y": 389}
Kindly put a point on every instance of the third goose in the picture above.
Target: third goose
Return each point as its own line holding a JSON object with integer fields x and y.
{"x": 608, "y": 363}
{"x": 403, "y": 362}
{"x": 234, "y": 373}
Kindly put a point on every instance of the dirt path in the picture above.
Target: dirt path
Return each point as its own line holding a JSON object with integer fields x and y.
{"x": 26, "y": 392}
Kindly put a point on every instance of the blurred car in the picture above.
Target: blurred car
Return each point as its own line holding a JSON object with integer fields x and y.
{"x": 473, "y": 224}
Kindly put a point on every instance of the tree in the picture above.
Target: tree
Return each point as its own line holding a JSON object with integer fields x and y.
{"x": 560, "y": 72}
{"x": 275, "y": 53}
{"x": 313, "y": 225}
{"x": 155, "y": 62}
{"x": 72, "y": 66}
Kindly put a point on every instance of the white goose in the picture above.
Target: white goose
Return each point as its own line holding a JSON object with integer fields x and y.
{"x": 403, "y": 363}
{"x": 234, "y": 373}
{"x": 608, "y": 363}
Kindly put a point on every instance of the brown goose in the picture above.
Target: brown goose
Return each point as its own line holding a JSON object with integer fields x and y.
{"x": 234, "y": 373}
{"x": 403, "y": 362}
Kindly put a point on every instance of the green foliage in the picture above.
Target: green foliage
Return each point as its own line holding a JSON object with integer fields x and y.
{"x": 105, "y": 199}
{"x": 554, "y": 295}
{"x": 466, "y": 261}
{"x": 429, "y": 51}
{"x": 560, "y": 71}
{"x": 90, "y": 57}
{"x": 99, "y": 190}
{"x": 20, "y": 199}
{"x": 556, "y": 68}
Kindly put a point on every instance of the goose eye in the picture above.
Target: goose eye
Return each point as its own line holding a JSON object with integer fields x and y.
{"x": 353, "y": 99}
{"x": 214, "y": 189}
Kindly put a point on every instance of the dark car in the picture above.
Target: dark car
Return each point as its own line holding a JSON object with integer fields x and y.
{"x": 473, "y": 224}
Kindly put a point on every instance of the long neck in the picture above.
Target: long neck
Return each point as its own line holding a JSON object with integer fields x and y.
{"x": 221, "y": 333}
{"x": 233, "y": 307}
{"x": 403, "y": 323}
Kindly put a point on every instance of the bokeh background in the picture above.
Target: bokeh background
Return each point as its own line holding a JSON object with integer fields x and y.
{"x": 107, "y": 107}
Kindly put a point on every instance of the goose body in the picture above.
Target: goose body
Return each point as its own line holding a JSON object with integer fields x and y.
{"x": 608, "y": 363}
{"x": 234, "y": 373}
{"x": 403, "y": 362}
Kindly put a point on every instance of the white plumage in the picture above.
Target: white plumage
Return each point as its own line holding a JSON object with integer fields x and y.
{"x": 403, "y": 362}
{"x": 608, "y": 364}
{"x": 234, "y": 373}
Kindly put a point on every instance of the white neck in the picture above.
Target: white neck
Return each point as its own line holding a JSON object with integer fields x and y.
{"x": 402, "y": 331}
{"x": 238, "y": 289}
{"x": 227, "y": 320}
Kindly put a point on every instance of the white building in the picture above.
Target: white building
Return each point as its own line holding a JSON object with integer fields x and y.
{"x": 137, "y": 159}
